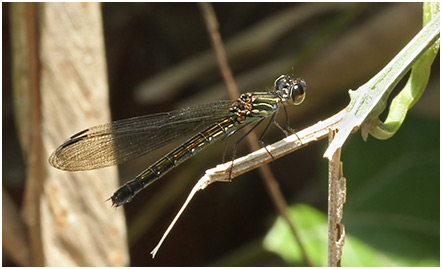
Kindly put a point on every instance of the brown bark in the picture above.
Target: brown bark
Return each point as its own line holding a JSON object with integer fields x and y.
{"x": 60, "y": 88}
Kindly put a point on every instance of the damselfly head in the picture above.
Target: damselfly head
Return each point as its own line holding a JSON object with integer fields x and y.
{"x": 291, "y": 89}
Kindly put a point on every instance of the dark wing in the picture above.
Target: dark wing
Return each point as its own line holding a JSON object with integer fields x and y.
{"x": 119, "y": 141}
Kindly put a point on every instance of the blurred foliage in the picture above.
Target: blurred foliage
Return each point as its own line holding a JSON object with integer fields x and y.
{"x": 392, "y": 212}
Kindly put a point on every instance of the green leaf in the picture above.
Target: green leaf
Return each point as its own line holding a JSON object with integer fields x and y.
{"x": 412, "y": 91}
{"x": 311, "y": 225}
{"x": 392, "y": 212}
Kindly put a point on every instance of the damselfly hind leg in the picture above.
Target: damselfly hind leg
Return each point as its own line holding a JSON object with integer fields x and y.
{"x": 237, "y": 143}
{"x": 227, "y": 140}
{"x": 225, "y": 147}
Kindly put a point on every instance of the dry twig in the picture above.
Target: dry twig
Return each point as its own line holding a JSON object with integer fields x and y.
{"x": 257, "y": 158}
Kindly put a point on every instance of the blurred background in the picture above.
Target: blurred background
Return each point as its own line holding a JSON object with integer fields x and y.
{"x": 159, "y": 58}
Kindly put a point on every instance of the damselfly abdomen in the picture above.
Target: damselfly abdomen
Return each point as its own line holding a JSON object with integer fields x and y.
{"x": 119, "y": 141}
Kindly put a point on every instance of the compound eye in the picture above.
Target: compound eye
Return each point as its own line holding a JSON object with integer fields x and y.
{"x": 298, "y": 91}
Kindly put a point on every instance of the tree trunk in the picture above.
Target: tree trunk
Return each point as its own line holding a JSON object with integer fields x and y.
{"x": 60, "y": 88}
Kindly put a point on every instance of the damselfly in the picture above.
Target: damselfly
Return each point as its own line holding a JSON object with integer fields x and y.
{"x": 122, "y": 140}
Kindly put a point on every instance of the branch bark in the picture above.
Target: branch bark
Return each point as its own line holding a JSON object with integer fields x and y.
{"x": 336, "y": 199}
